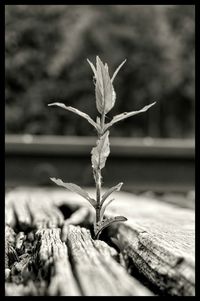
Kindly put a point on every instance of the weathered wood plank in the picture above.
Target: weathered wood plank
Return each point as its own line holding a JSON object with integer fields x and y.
{"x": 99, "y": 275}
{"x": 159, "y": 238}
{"x": 9, "y": 212}
{"x": 10, "y": 253}
{"x": 13, "y": 289}
{"x": 44, "y": 213}
{"x": 53, "y": 260}
{"x": 35, "y": 210}
{"x": 157, "y": 241}
{"x": 83, "y": 216}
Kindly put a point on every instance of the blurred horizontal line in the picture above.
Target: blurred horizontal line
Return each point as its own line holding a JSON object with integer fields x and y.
{"x": 120, "y": 146}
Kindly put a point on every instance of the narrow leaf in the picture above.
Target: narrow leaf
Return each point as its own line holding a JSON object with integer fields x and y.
{"x": 92, "y": 67}
{"x": 111, "y": 190}
{"x": 99, "y": 99}
{"x": 107, "y": 87}
{"x": 100, "y": 152}
{"x": 125, "y": 115}
{"x": 117, "y": 70}
{"x": 75, "y": 188}
{"x": 107, "y": 222}
{"x": 76, "y": 111}
{"x": 99, "y": 77}
{"x": 104, "y": 91}
{"x": 98, "y": 87}
{"x": 103, "y": 208}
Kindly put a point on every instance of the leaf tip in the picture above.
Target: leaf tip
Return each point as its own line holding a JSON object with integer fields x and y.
{"x": 53, "y": 104}
{"x": 120, "y": 185}
{"x": 121, "y": 218}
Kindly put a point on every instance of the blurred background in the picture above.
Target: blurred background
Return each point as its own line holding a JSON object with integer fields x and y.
{"x": 46, "y": 51}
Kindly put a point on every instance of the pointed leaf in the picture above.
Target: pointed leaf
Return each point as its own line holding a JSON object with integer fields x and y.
{"x": 98, "y": 86}
{"x": 107, "y": 222}
{"x": 104, "y": 91}
{"x": 107, "y": 87}
{"x": 111, "y": 190}
{"x": 75, "y": 188}
{"x": 99, "y": 99}
{"x": 125, "y": 115}
{"x": 100, "y": 152}
{"x": 92, "y": 67}
{"x": 99, "y": 77}
{"x": 103, "y": 208}
{"x": 117, "y": 70}
{"x": 76, "y": 111}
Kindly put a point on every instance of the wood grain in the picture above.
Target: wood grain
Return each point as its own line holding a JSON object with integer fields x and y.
{"x": 97, "y": 273}
{"x": 159, "y": 238}
{"x": 48, "y": 253}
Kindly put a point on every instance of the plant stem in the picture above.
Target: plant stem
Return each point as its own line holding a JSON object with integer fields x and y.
{"x": 98, "y": 195}
{"x": 102, "y": 122}
{"x": 98, "y": 178}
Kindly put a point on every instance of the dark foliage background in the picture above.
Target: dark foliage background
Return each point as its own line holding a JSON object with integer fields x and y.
{"x": 46, "y": 51}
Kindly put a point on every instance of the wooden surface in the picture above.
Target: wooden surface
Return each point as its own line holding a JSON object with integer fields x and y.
{"x": 159, "y": 240}
{"x": 50, "y": 250}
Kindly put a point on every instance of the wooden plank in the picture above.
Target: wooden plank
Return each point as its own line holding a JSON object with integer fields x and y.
{"x": 53, "y": 260}
{"x": 156, "y": 245}
{"x": 97, "y": 273}
{"x": 10, "y": 253}
{"x": 9, "y": 212}
{"x": 159, "y": 238}
{"x": 13, "y": 289}
{"x": 31, "y": 210}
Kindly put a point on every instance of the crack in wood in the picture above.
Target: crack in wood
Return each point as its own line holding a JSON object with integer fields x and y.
{"x": 48, "y": 253}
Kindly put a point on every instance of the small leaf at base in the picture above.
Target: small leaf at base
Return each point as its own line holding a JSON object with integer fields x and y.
{"x": 107, "y": 222}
